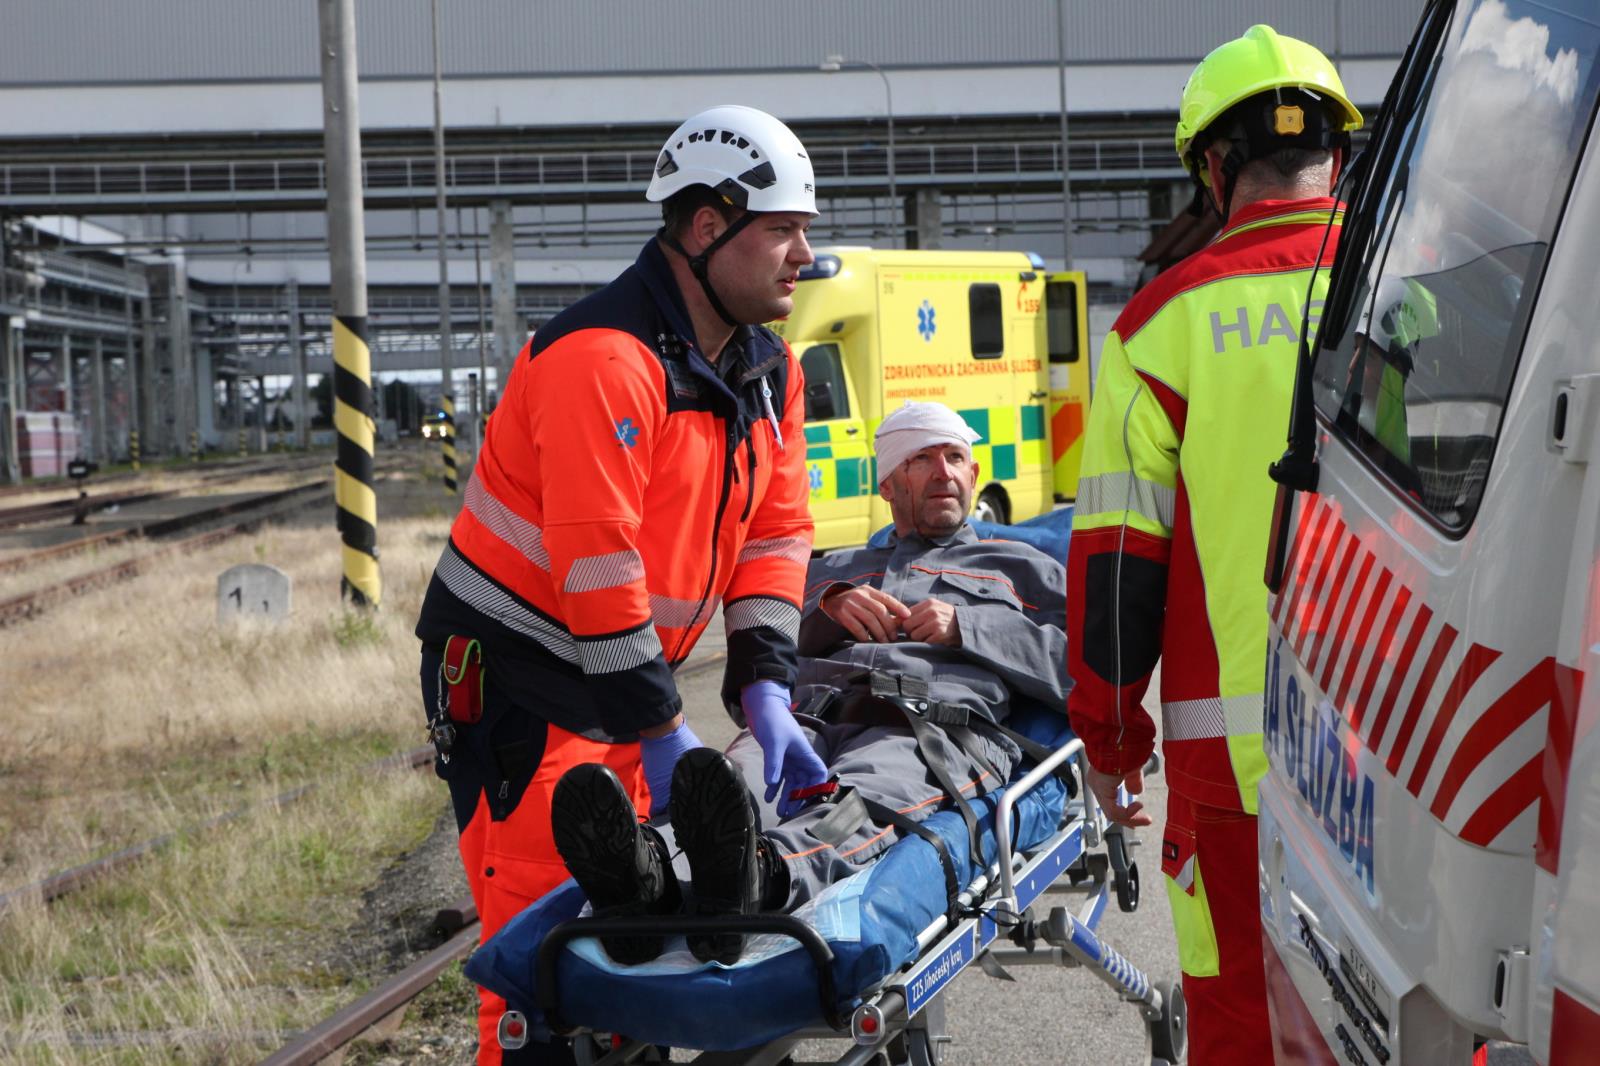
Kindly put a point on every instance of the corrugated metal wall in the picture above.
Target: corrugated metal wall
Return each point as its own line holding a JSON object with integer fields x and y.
{"x": 101, "y": 41}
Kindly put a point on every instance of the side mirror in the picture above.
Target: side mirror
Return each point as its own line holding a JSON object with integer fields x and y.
{"x": 819, "y": 402}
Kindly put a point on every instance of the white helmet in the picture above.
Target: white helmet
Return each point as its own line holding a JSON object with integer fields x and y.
{"x": 754, "y": 161}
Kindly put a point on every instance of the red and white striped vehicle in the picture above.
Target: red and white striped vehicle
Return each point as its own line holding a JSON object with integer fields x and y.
{"x": 1430, "y": 825}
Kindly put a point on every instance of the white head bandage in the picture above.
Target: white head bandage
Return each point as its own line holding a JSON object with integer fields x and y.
{"x": 914, "y": 427}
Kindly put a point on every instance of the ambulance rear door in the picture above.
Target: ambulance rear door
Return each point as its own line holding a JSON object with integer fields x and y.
{"x": 1066, "y": 321}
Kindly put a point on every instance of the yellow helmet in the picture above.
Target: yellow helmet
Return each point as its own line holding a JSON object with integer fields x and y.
{"x": 1260, "y": 61}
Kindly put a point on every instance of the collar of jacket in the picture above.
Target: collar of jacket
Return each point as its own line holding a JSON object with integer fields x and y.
{"x": 751, "y": 352}
{"x": 1265, "y": 210}
{"x": 964, "y": 535}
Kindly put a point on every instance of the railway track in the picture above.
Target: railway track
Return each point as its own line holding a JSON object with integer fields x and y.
{"x": 456, "y": 923}
{"x": 32, "y": 514}
{"x": 214, "y": 467}
{"x": 20, "y": 608}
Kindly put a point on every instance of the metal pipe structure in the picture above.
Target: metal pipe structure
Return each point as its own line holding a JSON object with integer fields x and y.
{"x": 1066, "y": 169}
{"x": 356, "y": 501}
{"x": 482, "y": 388}
{"x": 447, "y": 389}
{"x": 835, "y": 63}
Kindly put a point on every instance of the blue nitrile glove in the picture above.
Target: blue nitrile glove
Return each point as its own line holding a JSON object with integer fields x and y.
{"x": 787, "y": 757}
{"x": 658, "y": 755}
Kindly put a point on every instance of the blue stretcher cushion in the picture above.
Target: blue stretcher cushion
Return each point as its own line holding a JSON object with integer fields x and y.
{"x": 870, "y": 921}
{"x": 1049, "y": 532}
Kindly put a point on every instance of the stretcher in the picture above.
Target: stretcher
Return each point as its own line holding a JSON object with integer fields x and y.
{"x": 882, "y": 990}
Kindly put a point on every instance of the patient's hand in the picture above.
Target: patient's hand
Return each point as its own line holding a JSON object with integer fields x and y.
{"x": 870, "y": 615}
{"x": 933, "y": 622}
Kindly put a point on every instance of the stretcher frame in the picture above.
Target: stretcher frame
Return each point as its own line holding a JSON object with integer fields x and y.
{"x": 901, "y": 1021}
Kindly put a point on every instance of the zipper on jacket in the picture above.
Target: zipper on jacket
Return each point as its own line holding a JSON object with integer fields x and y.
{"x": 729, "y": 463}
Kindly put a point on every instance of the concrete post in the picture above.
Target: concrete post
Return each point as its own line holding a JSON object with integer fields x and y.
{"x": 503, "y": 290}
{"x": 447, "y": 385}
{"x": 261, "y": 422}
{"x": 132, "y": 360}
{"x": 927, "y": 221}
{"x": 100, "y": 410}
{"x": 354, "y": 496}
{"x": 152, "y": 431}
{"x": 297, "y": 357}
{"x": 185, "y": 400}
{"x": 11, "y": 367}
{"x": 64, "y": 379}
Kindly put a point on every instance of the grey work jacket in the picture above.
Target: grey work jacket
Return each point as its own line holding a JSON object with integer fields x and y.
{"x": 1010, "y": 601}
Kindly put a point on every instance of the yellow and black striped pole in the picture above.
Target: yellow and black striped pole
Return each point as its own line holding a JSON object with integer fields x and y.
{"x": 447, "y": 440}
{"x": 354, "y": 496}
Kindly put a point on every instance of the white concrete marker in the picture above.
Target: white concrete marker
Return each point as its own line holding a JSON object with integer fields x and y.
{"x": 253, "y": 591}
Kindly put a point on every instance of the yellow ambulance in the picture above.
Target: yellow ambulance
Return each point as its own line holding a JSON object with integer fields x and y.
{"x": 988, "y": 333}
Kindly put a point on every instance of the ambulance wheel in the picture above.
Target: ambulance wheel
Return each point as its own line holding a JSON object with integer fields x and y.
{"x": 992, "y": 506}
{"x": 1170, "y": 1032}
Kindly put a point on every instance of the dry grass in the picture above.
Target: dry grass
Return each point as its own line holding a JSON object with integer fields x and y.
{"x": 129, "y": 713}
{"x": 134, "y": 693}
{"x": 201, "y": 955}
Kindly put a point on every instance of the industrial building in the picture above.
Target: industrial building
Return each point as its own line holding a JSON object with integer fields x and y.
{"x": 162, "y": 181}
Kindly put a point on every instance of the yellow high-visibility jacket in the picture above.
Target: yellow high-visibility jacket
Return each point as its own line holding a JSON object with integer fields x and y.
{"x": 1169, "y": 539}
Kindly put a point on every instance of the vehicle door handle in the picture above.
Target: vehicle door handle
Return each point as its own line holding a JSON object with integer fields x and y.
{"x": 852, "y": 430}
{"x": 1037, "y": 395}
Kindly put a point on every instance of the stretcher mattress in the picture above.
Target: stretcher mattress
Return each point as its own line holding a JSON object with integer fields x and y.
{"x": 870, "y": 921}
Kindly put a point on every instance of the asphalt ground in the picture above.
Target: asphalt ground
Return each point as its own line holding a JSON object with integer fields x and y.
{"x": 1049, "y": 1014}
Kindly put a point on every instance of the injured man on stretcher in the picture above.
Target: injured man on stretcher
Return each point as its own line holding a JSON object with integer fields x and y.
{"x": 963, "y": 631}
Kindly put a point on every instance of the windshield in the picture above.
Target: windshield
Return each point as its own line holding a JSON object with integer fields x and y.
{"x": 1464, "y": 223}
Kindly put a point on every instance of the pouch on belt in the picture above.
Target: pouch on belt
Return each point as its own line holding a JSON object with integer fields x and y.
{"x": 462, "y": 670}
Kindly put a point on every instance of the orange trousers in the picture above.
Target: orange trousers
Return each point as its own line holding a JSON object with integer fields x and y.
{"x": 502, "y": 774}
{"x": 1209, "y": 859}
{"x": 512, "y": 863}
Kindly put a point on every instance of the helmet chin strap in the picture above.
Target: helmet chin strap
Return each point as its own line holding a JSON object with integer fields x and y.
{"x": 700, "y": 267}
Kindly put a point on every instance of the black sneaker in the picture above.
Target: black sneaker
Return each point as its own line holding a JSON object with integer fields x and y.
{"x": 733, "y": 868}
{"x": 621, "y": 864}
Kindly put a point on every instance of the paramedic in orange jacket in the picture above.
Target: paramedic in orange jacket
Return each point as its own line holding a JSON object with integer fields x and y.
{"x": 1169, "y": 536}
{"x": 645, "y": 467}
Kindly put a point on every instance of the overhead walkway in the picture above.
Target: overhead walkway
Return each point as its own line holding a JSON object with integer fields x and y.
{"x": 556, "y": 177}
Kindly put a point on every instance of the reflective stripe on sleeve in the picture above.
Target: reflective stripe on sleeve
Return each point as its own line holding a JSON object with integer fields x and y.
{"x": 1225, "y": 716}
{"x": 609, "y": 571}
{"x": 794, "y": 549}
{"x": 753, "y": 611}
{"x": 625, "y": 651}
{"x": 1122, "y": 491}
{"x": 506, "y": 524}
{"x": 482, "y": 595}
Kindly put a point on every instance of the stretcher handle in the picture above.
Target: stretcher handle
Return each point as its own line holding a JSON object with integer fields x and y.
{"x": 1008, "y": 800}
{"x": 675, "y": 924}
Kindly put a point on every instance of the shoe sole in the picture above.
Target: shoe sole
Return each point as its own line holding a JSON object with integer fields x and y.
{"x": 597, "y": 834}
{"x": 715, "y": 826}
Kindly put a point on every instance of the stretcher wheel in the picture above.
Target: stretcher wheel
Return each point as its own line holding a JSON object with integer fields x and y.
{"x": 1128, "y": 889}
{"x": 1170, "y": 1032}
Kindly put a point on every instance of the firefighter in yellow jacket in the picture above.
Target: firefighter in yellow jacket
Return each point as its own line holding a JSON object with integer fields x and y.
{"x": 1170, "y": 535}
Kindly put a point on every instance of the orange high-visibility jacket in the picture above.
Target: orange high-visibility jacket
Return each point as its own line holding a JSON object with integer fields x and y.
{"x": 1169, "y": 536}
{"x": 626, "y": 489}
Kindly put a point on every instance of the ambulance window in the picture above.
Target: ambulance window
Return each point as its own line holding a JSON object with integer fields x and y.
{"x": 1461, "y": 227}
{"x": 988, "y": 327}
{"x": 1061, "y": 321}
{"x": 826, "y": 398}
